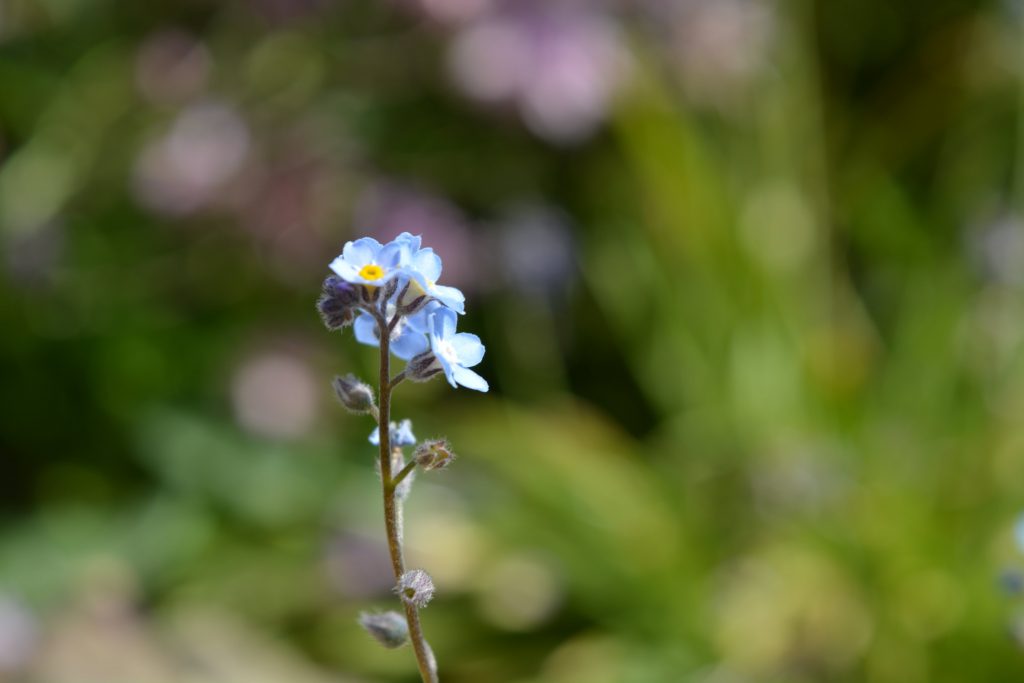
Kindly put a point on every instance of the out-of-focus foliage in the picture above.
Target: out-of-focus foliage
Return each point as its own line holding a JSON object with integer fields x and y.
{"x": 749, "y": 274}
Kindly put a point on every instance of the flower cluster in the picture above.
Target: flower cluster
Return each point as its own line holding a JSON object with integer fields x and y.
{"x": 396, "y": 284}
{"x": 389, "y": 294}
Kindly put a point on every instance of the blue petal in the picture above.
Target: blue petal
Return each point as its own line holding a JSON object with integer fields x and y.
{"x": 450, "y": 297}
{"x": 426, "y": 262}
{"x": 361, "y": 252}
{"x": 409, "y": 344}
{"x": 344, "y": 269}
{"x": 394, "y": 255}
{"x": 375, "y": 436}
{"x": 443, "y": 323}
{"x": 420, "y": 320}
{"x": 365, "y": 329}
{"x": 469, "y": 379}
{"x": 403, "y": 436}
{"x": 413, "y": 241}
{"x": 468, "y": 349}
{"x": 445, "y": 365}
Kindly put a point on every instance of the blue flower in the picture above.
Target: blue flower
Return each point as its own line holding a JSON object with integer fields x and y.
{"x": 407, "y": 339}
{"x": 424, "y": 269}
{"x": 456, "y": 352}
{"x": 401, "y": 434}
{"x": 367, "y": 262}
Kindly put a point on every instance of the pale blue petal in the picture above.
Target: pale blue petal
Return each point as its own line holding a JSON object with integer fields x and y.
{"x": 420, "y": 320}
{"x": 413, "y": 241}
{"x": 365, "y": 330}
{"x": 361, "y": 252}
{"x": 444, "y": 323}
{"x": 409, "y": 344}
{"x": 469, "y": 379}
{"x": 468, "y": 348}
{"x": 450, "y": 297}
{"x": 345, "y": 270}
{"x": 403, "y": 436}
{"x": 445, "y": 365}
{"x": 449, "y": 371}
{"x": 375, "y": 436}
{"x": 394, "y": 255}
{"x": 428, "y": 264}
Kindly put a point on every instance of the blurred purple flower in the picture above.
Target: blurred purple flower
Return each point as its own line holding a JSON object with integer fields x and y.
{"x": 19, "y": 635}
{"x": 558, "y": 65}
{"x": 185, "y": 169}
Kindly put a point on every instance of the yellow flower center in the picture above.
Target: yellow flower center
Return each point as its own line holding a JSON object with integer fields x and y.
{"x": 371, "y": 272}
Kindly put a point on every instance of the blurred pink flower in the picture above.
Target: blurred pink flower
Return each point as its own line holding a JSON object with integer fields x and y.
{"x": 558, "y": 65}
{"x": 186, "y": 168}
{"x": 275, "y": 395}
{"x": 718, "y": 46}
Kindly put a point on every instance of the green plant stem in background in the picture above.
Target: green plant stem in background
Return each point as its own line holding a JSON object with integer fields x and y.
{"x": 392, "y": 505}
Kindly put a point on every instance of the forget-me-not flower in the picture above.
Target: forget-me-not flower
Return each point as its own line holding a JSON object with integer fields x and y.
{"x": 456, "y": 352}
{"x": 401, "y": 434}
{"x": 424, "y": 270}
{"x": 368, "y": 262}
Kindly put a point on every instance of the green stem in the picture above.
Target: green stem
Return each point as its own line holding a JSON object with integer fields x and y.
{"x": 409, "y": 467}
{"x": 392, "y": 510}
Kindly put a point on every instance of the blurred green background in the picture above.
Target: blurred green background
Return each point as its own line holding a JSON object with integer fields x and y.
{"x": 749, "y": 274}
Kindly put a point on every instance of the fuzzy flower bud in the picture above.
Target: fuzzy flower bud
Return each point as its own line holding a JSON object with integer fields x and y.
{"x": 337, "y": 303}
{"x": 422, "y": 367}
{"x": 389, "y": 628}
{"x": 415, "y": 587}
{"x": 433, "y": 454}
{"x": 354, "y": 394}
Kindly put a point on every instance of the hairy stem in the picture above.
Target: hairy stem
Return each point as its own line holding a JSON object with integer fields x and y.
{"x": 392, "y": 510}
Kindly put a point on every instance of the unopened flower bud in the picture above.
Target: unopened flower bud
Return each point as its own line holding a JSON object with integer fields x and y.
{"x": 422, "y": 367}
{"x": 389, "y": 628}
{"x": 354, "y": 394}
{"x": 433, "y": 454}
{"x": 415, "y": 587}
{"x": 337, "y": 302}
